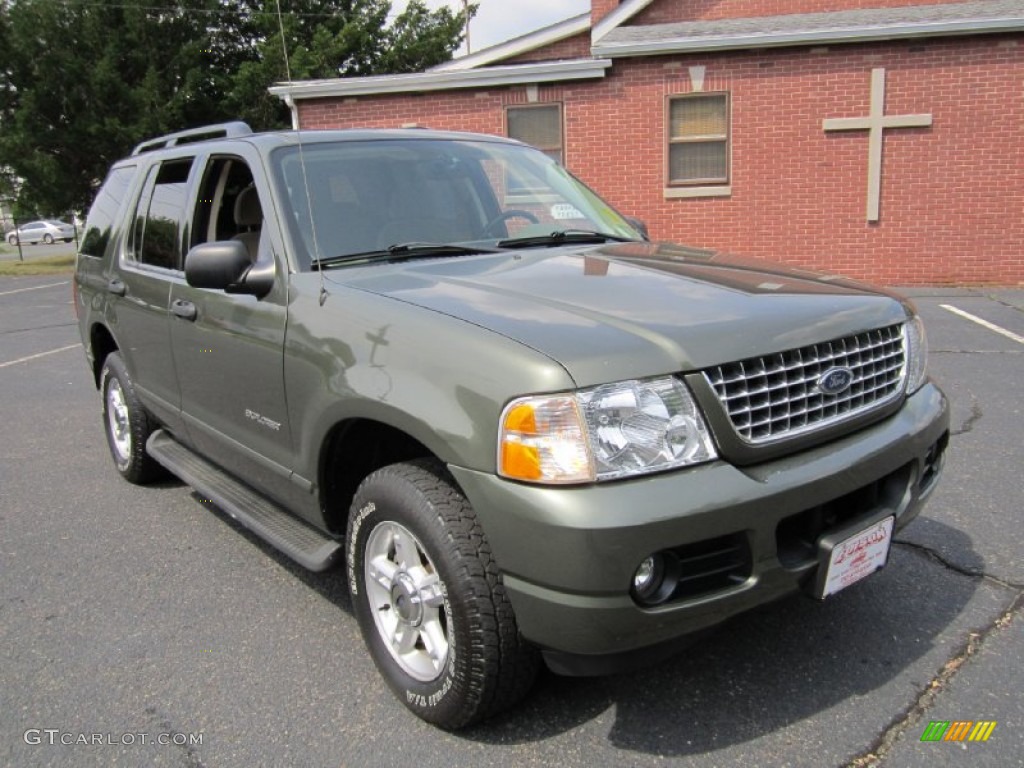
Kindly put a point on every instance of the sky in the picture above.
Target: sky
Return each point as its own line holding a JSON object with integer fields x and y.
{"x": 500, "y": 20}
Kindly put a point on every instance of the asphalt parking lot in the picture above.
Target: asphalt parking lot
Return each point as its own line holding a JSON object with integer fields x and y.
{"x": 139, "y": 615}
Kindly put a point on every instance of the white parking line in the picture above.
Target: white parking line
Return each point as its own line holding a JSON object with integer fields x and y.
{"x": 41, "y": 354}
{"x": 983, "y": 323}
{"x": 33, "y": 288}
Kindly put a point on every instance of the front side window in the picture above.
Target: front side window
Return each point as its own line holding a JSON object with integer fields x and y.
{"x": 698, "y": 139}
{"x": 228, "y": 206}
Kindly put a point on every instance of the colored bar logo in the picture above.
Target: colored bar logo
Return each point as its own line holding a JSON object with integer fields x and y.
{"x": 958, "y": 730}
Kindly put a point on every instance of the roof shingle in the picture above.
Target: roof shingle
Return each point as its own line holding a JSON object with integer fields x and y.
{"x": 980, "y": 16}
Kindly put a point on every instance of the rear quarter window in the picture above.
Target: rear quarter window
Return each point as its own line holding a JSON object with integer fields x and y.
{"x": 103, "y": 214}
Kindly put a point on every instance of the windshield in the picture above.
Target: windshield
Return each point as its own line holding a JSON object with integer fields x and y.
{"x": 361, "y": 197}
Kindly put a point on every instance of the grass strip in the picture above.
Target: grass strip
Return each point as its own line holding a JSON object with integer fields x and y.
{"x": 50, "y": 265}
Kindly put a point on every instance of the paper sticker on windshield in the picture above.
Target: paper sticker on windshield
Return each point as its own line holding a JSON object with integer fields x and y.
{"x": 564, "y": 211}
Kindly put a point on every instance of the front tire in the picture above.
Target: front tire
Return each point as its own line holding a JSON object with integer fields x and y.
{"x": 429, "y": 598}
{"x": 127, "y": 424}
{"x": 12, "y": 239}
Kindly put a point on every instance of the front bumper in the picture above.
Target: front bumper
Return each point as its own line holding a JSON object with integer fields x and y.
{"x": 568, "y": 555}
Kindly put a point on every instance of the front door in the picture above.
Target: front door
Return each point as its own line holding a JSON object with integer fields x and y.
{"x": 229, "y": 349}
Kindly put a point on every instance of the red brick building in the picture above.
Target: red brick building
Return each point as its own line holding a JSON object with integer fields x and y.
{"x": 882, "y": 139}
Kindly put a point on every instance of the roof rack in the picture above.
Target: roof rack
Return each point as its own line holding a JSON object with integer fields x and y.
{"x": 218, "y": 131}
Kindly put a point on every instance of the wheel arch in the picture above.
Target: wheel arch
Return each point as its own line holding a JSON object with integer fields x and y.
{"x": 101, "y": 344}
{"x": 352, "y": 450}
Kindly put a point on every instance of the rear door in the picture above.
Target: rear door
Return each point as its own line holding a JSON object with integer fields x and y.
{"x": 150, "y": 263}
{"x": 32, "y": 233}
{"x": 229, "y": 349}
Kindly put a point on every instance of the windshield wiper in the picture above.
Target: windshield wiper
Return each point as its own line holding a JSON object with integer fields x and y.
{"x": 401, "y": 251}
{"x": 563, "y": 237}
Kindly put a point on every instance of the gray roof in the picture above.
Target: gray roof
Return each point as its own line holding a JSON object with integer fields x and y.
{"x": 979, "y": 17}
{"x": 530, "y": 73}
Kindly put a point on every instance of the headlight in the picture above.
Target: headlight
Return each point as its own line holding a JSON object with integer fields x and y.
{"x": 602, "y": 433}
{"x": 916, "y": 350}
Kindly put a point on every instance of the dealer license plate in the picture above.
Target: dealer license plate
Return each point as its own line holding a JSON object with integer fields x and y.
{"x": 857, "y": 557}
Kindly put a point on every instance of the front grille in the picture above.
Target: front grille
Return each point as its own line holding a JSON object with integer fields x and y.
{"x": 777, "y": 396}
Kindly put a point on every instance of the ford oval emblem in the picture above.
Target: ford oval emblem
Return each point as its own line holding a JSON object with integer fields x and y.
{"x": 835, "y": 381}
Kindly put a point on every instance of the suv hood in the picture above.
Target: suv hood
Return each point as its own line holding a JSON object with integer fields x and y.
{"x": 636, "y": 309}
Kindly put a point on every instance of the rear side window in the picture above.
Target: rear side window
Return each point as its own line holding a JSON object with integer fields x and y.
{"x": 104, "y": 210}
{"x": 156, "y": 238}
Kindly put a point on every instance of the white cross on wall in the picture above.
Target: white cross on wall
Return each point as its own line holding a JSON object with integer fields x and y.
{"x": 875, "y": 124}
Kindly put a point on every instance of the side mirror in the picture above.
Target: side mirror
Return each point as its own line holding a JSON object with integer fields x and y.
{"x": 639, "y": 226}
{"x": 225, "y": 266}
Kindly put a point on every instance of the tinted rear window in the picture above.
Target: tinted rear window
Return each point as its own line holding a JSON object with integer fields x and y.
{"x": 104, "y": 210}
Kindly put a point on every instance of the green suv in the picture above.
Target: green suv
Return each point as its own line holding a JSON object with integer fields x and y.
{"x": 522, "y": 431}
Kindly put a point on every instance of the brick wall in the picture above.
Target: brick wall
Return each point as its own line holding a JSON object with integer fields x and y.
{"x": 575, "y": 47}
{"x": 952, "y": 195}
{"x": 691, "y": 10}
{"x": 478, "y": 111}
{"x": 464, "y": 110}
{"x": 601, "y": 8}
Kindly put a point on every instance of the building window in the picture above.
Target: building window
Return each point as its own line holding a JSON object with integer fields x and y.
{"x": 698, "y": 140}
{"x": 539, "y": 125}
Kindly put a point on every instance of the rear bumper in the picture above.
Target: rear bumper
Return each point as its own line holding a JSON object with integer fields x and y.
{"x": 568, "y": 555}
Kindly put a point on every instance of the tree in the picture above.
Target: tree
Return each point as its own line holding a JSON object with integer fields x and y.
{"x": 350, "y": 38}
{"x": 82, "y": 81}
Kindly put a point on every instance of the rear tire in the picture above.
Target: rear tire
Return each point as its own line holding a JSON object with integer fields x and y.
{"x": 48, "y": 238}
{"x": 127, "y": 424}
{"x": 430, "y": 600}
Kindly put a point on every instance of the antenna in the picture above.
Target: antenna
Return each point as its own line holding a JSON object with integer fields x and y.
{"x": 302, "y": 159}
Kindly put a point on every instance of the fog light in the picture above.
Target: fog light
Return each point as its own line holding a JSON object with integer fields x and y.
{"x": 645, "y": 577}
{"x": 649, "y": 582}
{"x": 656, "y": 578}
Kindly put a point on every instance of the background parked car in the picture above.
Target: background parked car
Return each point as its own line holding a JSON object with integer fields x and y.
{"x": 46, "y": 231}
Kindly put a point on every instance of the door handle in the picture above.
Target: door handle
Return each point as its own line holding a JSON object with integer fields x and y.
{"x": 186, "y": 310}
{"x": 116, "y": 287}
